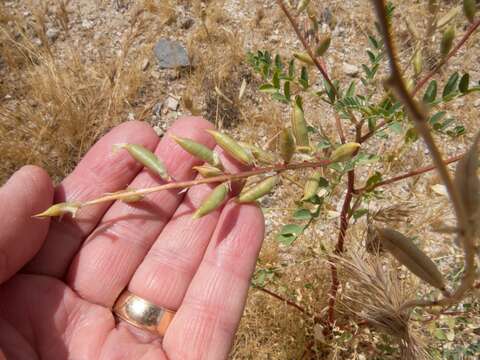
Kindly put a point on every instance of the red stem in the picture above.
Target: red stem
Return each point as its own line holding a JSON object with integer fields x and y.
{"x": 288, "y": 302}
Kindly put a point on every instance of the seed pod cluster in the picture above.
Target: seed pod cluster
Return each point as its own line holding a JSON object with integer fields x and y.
{"x": 146, "y": 158}
{"x": 232, "y": 147}
{"x": 286, "y": 145}
{"x": 344, "y": 152}
{"x": 60, "y": 209}
{"x": 214, "y": 200}
{"x": 208, "y": 171}
{"x": 447, "y": 40}
{"x": 299, "y": 125}
{"x": 258, "y": 190}
{"x": 408, "y": 254}
{"x": 312, "y": 185}
{"x": 198, "y": 150}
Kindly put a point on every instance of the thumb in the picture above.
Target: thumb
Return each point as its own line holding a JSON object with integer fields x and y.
{"x": 28, "y": 192}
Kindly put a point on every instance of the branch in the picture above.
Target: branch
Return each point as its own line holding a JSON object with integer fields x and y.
{"x": 410, "y": 174}
{"x": 286, "y": 301}
{"x": 222, "y": 178}
{"x": 452, "y": 53}
{"x": 420, "y": 119}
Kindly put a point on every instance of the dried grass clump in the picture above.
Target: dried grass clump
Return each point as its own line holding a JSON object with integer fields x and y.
{"x": 63, "y": 102}
{"x": 375, "y": 294}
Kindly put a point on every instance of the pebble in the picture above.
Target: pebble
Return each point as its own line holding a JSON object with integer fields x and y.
{"x": 171, "y": 54}
{"x": 52, "y": 34}
{"x": 87, "y": 24}
{"x": 477, "y": 103}
{"x": 349, "y": 69}
{"x": 172, "y": 103}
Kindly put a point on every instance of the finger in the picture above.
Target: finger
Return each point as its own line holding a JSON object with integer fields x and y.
{"x": 28, "y": 192}
{"x": 167, "y": 270}
{"x": 108, "y": 259}
{"x": 100, "y": 171}
{"x": 209, "y": 315}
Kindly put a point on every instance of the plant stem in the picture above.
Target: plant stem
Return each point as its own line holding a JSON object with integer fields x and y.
{"x": 471, "y": 29}
{"x": 409, "y": 174}
{"x": 281, "y": 298}
{"x": 221, "y": 178}
{"x": 420, "y": 119}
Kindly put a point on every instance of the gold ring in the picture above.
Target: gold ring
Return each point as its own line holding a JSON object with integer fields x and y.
{"x": 142, "y": 313}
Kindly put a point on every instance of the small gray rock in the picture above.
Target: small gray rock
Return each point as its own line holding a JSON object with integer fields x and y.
{"x": 477, "y": 103}
{"x": 171, "y": 54}
{"x": 52, "y": 34}
{"x": 350, "y": 70}
{"x": 87, "y": 24}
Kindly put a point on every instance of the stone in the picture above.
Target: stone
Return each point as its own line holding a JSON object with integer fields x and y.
{"x": 52, "y": 34}
{"x": 87, "y": 24}
{"x": 350, "y": 70}
{"x": 172, "y": 103}
{"x": 157, "y": 109}
{"x": 477, "y": 103}
{"x": 171, "y": 54}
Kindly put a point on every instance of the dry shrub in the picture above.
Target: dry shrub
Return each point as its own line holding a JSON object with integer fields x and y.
{"x": 63, "y": 102}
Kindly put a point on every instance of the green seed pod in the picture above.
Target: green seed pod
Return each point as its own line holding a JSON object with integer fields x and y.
{"x": 232, "y": 147}
{"x": 323, "y": 45}
{"x": 214, "y": 200}
{"x": 286, "y": 145}
{"x": 299, "y": 125}
{"x": 304, "y": 57}
{"x": 258, "y": 190}
{"x": 344, "y": 152}
{"x": 447, "y": 40}
{"x": 198, "y": 150}
{"x": 417, "y": 62}
{"x": 146, "y": 158}
{"x": 302, "y": 5}
{"x": 448, "y": 17}
{"x": 469, "y": 9}
{"x": 60, "y": 209}
{"x": 311, "y": 186}
{"x": 259, "y": 154}
{"x": 408, "y": 254}
{"x": 125, "y": 197}
{"x": 208, "y": 171}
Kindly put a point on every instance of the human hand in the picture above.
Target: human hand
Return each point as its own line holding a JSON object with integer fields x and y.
{"x": 60, "y": 279}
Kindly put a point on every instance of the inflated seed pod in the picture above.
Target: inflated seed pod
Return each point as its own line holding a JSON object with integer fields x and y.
{"x": 344, "y": 152}
{"x": 214, "y": 200}
{"x": 259, "y": 154}
{"x": 146, "y": 158}
{"x": 60, "y": 209}
{"x": 469, "y": 9}
{"x": 323, "y": 45}
{"x": 447, "y": 40}
{"x": 408, "y": 254}
{"x": 299, "y": 125}
{"x": 417, "y": 62}
{"x": 286, "y": 145}
{"x": 232, "y": 147}
{"x": 199, "y": 150}
{"x": 311, "y": 186}
{"x": 124, "y": 195}
{"x": 258, "y": 190}
{"x": 208, "y": 171}
{"x": 304, "y": 57}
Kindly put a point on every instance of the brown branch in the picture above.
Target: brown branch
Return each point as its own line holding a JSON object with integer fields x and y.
{"x": 471, "y": 29}
{"x": 420, "y": 119}
{"x": 221, "y": 178}
{"x": 409, "y": 174}
{"x": 286, "y": 301}
{"x": 338, "y": 124}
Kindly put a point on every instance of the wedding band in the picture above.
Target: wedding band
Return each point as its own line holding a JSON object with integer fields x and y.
{"x": 142, "y": 313}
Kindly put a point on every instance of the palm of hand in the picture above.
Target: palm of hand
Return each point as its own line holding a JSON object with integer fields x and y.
{"x": 59, "y": 306}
